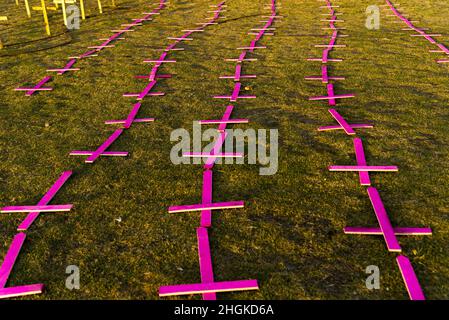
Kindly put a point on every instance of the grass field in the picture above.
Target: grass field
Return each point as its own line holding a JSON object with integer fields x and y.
{"x": 289, "y": 235}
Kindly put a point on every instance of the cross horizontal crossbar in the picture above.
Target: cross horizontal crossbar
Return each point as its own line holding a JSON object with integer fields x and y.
{"x": 225, "y": 286}
{"x": 40, "y": 208}
{"x": 211, "y": 206}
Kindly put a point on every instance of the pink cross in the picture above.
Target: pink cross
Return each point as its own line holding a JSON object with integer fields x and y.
{"x": 153, "y": 75}
{"x": 10, "y": 258}
{"x": 38, "y": 87}
{"x": 235, "y": 94}
{"x": 325, "y": 58}
{"x": 42, "y": 205}
{"x": 68, "y": 67}
{"x": 331, "y": 96}
{"x": 238, "y": 74}
{"x": 145, "y": 92}
{"x": 101, "y": 151}
{"x": 207, "y": 287}
{"x": 40, "y": 208}
{"x": 242, "y": 58}
{"x": 6, "y": 268}
{"x": 131, "y": 118}
{"x": 324, "y": 76}
{"x": 361, "y": 166}
{"x": 397, "y": 231}
{"x": 207, "y": 206}
{"x": 348, "y": 128}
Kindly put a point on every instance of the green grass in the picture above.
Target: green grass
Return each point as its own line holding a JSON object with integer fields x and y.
{"x": 289, "y": 236}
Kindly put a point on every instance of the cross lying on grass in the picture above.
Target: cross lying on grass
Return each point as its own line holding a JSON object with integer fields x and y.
{"x": 361, "y": 166}
{"x": 331, "y": 44}
{"x": 162, "y": 57}
{"x": 145, "y": 92}
{"x": 16, "y": 245}
{"x": 331, "y": 96}
{"x": 131, "y": 118}
{"x": 242, "y": 58}
{"x": 420, "y": 31}
{"x": 37, "y": 87}
{"x": 153, "y": 75}
{"x": 91, "y": 53}
{"x": 40, "y": 208}
{"x": 101, "y": 151}
{"x": 325, "y": 58}
{"x": 252, "y": 47}
{"x": 209, "y": 206}
{"x": 385, "y": 228}
{"x": 235, "y": 94}
{"x": 238, "y": 74}
{"x": 68, "y": 67}
{"x": 376, "y": 231}
{"x": 6, "y": 268}
{"x": 207, "y": 287}
{"x": 324, "y": 76}
{"x": 343, "y": 124}
{"x": 389, "y": 233}
{"x": 42, "y": 205}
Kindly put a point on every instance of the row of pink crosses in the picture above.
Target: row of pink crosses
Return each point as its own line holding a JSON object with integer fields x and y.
{"x": 420, "y": 32}
{"x": 151, "y": 80}
{"x": 385, "y": 228}
{"x": 208, "y": 287}
{"x": 94, "y": 50}
{"x": 43, "y": 205}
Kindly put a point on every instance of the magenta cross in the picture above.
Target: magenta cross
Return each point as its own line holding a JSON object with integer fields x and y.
{"x": 37, "y": 87}
{"x": 343, "y": 124}
{"x": 235, "y": 94}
